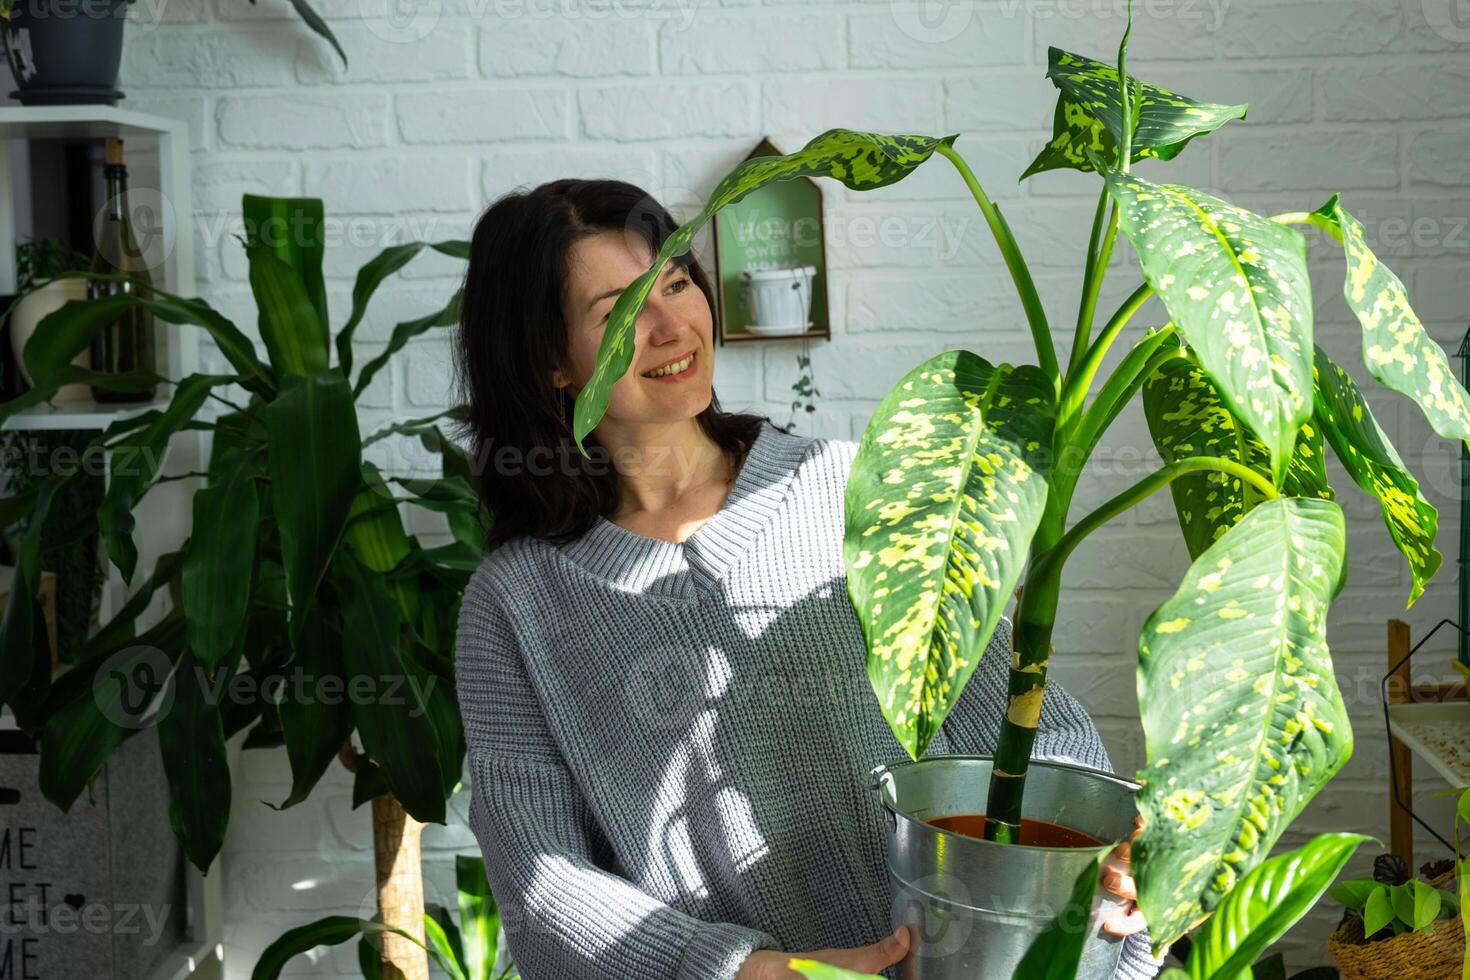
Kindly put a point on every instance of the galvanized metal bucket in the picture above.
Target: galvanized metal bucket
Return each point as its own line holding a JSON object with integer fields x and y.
{"x": 974, "y": 905}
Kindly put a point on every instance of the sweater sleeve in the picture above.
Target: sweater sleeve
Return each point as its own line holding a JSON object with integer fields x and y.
{"x": 1065, "y": 733}
{"x": 565, "y": 917}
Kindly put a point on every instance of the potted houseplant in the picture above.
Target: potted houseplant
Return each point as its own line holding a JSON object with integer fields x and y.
{"x": 63, "y": 53}
{"x": 38, "y": 264}
{"x": 298, "y": 567}
{"x": 964, "y": 482}
{"x": 1396, "y": 925}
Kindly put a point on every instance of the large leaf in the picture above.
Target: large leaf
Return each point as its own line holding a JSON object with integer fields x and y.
{"x": 1373, "y": 463}
{"x": 862, "y": 161}
{"x": 218, "y": 562}
{"x": 136, "y": 460}
{"x": 291, "y": 230}
{"x": 393, "y": 722}
{"x": 1056, "y": 952}
{"x": 315, "y": 472}
{"x": 333, "y": 930}
{"x": 315, "y": 721}
{"x": 1187, "y": 417}
{"x": 101, "y": 705}
{"x": 948, "y": 486}
{"x": 1267, "y": 902}
{"x": 1089, "y": 115}
{"x": 191, "y": 740}
{"x": 1236, "y": 286}
{"x": 1397, "y": 350}
{"x": 814, "y": 970}
{"x": 44, "y": 390}
{"x": 65, "y": 333}
{"x": 1241, "y": 712}
{"x": 295, "y": 338}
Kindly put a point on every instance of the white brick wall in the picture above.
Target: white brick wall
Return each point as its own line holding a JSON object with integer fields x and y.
{"x": 449, "y": 103}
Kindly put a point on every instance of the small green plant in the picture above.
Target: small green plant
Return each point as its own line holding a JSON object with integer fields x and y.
{"x": 38, "y": 259}
{"x": 464, "y": 951}
{"x": 1393, "y": 901}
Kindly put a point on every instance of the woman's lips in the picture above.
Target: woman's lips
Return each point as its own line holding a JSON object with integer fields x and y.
{"x": 683, "y": 375}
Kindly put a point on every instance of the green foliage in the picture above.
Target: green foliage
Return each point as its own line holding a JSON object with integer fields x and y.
{"x": 273, "y": 582}
{"x": 1390, "y": 908}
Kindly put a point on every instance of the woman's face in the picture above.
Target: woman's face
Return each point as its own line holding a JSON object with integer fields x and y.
{"x": 672, "y": 374}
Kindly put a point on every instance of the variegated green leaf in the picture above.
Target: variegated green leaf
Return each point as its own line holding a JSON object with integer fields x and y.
{"x": 1186, "y": 417}
{"x": 1090, "y": 116}
{"x": 946, "y": 491}
{"x": 1242, "y": 716}
{"x": 1236, "y": 287}
{"x": 1375, "y": 466}
{"x": 1397, "y": 350}
{"x": 814, "y": 970}
{"x": 862, "y": 161}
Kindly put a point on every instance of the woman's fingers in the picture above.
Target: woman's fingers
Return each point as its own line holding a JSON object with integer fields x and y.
{"x": 869, "y": 959}
{"x": 1117, "y": 880}
{"x": 1123, "y": 920}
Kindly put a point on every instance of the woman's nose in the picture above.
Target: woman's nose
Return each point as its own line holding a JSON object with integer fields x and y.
{"x": 658, "y": 322}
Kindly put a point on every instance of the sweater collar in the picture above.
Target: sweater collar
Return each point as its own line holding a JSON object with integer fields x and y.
{"x": 694, "y": 567}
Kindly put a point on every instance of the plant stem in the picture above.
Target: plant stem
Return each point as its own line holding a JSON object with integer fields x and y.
{"x": 1035, "y": 618}
{"x": 1098, "y": 257}
{"x": 1118, "y": 390}
{"x": 1030, "y": 302}
{"x": 1078, "y": 383}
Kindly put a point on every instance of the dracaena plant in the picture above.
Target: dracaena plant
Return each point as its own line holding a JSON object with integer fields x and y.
{"x": 964, "y": 479}
{"x": 302, "y": 612}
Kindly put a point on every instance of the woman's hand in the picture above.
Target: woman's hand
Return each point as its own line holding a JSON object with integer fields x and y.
{"x": 1125, "y": 919}
{"x": 768, "y": 964}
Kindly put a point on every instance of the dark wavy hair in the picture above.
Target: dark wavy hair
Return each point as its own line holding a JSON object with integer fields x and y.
{"x": 511, "y": 335}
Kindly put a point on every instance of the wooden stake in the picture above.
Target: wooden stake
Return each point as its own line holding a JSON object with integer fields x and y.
{"x": 400, "y": 875}
{"x": 1400, "y": 823}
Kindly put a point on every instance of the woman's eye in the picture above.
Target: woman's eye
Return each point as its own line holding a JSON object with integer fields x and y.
{"x": 680, "y": 283}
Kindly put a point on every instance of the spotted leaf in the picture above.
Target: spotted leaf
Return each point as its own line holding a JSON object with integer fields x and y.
{"x": 1374, "y": 465}
{"x": 1186, "y": 417}
{"x": 1242, "y": 717}
{"x": 1397, "y": 350}
{"x": 1089, "y": 115}
{"x": 861, "y": 161}
{"x": 1236, "y": 286}
{"x": 946, "y": 491}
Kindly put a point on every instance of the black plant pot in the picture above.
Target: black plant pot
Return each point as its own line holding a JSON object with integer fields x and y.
{"x": 65, "y": 52}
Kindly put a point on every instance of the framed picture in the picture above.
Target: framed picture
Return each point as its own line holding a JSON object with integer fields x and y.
{"x": 771, "y": 261}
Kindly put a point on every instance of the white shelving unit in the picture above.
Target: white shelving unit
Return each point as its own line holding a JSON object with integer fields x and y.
{"x": 157, "y": 157}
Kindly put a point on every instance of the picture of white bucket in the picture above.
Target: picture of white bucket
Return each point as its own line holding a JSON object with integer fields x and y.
{"x": 779, "y": 300}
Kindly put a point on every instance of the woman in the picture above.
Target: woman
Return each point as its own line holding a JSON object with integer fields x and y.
{"x": 662, "y": 680}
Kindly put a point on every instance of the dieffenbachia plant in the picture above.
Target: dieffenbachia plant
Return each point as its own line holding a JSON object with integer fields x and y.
{"x": 963, "y": 483}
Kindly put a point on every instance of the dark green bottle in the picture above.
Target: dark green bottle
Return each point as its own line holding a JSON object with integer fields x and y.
{"x": 127, "y": 344}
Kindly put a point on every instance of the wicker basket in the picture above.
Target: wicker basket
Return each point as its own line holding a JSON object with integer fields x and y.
{"x": 1435, "y": 954}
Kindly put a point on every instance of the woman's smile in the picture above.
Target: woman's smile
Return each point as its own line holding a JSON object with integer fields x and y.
{"x": 680, "y": 369}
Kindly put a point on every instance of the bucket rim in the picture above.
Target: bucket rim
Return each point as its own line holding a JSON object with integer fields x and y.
{"x": 878, "y": 772}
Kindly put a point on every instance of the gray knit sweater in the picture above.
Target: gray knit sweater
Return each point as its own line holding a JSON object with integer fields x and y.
{"x": 669, "y": 743}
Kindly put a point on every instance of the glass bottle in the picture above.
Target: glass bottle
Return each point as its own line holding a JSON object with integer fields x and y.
{"x": 128, "y": 343}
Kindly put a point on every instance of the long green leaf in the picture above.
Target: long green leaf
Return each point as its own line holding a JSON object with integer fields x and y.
{"x": 1186, "y": 417}
{"x": 442, "y": 938}
{"x": 479, "y": 920}
{"x": 315, "y": 472}
{"x": 448, "y": 316}
{"x": 1236, "y": 286}
{"x": 191, "y": 740}
{"x": 314, "y": 723}
{"x": 1243, "y": 719}
{"x": 1370, "y": 459}
{"x": 295, "y": 339}
{"x": 135, "y": 461}
{"x": 218, "y": 563}
{"x": 1267, "y": 902}
{"x": 314, "y": 20}
{"x": 291, "y": 230}
{"x": 333, "y": 930}
{"x": 1057, "y": 951}
{"x": 44, "y": 390}
{"x": 371, "y": 276}
{"x": 65, "y": 333}
{"x": 396, "y": 731}
{"x": 814, "y": 970}
{"x": 1089, "y": 115}
{"x": 110, "y": 699}
{"x": 1397, "y": 350}
{"x": 948, "y": 486}
{"x": 861, "y": 161}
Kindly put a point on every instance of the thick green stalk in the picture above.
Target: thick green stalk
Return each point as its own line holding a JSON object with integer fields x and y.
{"x": 1046, "y": 353}
{"x": 1074, "y": 395}
{"x": 1035, "y": 618}
{"x": 1122, "y": 385}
